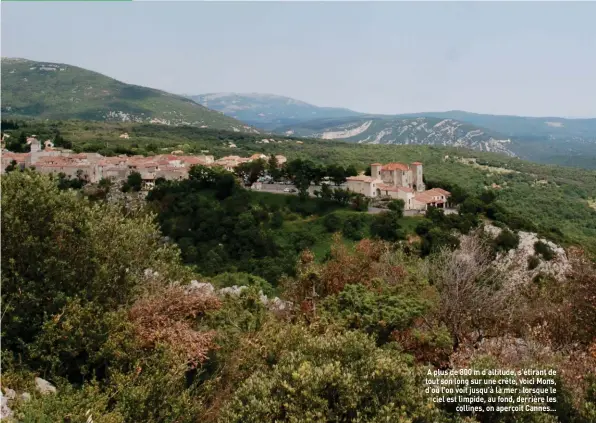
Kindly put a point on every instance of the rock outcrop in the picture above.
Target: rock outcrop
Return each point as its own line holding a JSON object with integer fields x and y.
{"x": 514, "y": 263}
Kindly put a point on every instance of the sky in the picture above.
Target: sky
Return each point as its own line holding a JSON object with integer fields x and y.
{"x": 531, "y": 58}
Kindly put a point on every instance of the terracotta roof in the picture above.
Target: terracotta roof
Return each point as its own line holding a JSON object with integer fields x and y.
{"x": 423, "y": 198}
{"x": 416, "y": 163}
{"x": 405, "y": 189}
{"x": 437, "y": 191}
{"x": 395, "y": 166}
{"x": 388, "y": 188}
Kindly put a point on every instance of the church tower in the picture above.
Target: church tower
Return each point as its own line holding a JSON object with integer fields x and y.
{"x": 418, "y": 182}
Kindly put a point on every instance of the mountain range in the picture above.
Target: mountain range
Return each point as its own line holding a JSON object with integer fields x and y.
{"x": 268, "y": 111}
{"x": 59, "y": 91}
{"x": 547, "y": 140}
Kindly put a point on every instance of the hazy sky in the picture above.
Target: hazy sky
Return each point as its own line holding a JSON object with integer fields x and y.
{"x": 535, "y": 59}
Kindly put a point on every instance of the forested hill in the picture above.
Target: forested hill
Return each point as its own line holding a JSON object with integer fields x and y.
{"x": 60, "y": 91}
{"x": 560, "y": 199}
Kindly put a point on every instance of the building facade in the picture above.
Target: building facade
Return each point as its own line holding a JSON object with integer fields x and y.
{"x": 399, "y": 181}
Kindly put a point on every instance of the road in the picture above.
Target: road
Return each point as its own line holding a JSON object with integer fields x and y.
{"x": 279, "y": 189}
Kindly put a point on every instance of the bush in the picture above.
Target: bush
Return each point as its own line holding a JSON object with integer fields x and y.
{"x": 353, "y": 226}
{"x": 331, "y": 377}
{"x": 506, "y": 240}
{"x": 385, "y": 226}
{"x": 533, "y": 262}
{"x": 544, "y": 250}
{"x": 377, "y": 314}
{"x": 333, "y": 222}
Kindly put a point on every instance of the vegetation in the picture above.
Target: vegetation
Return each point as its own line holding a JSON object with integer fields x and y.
{"x": 97, "y": 302}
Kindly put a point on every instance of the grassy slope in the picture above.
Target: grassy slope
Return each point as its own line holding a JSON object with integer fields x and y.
{"x": 70, "y": 92}
{"x": 563, "y": 202}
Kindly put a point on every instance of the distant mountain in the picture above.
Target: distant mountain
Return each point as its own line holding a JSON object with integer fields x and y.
{"x": 546, "y": 140}
{"x": 59, "y": 91}
{"x": 522, "y": 126}
{"x": 395, "y": 130}
{"x": 267, "y": 111}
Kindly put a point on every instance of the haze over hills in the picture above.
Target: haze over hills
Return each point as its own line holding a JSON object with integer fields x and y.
{"x": 542, "y": 139}
{"x": 268, "y": 111}
{"x": 59, "y": 91}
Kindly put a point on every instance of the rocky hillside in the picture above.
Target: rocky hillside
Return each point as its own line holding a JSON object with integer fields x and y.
{"x": 267, "y": 111}
{"x": 570, "y": 142}
{"x": 59, "y": 91}
{"x": 421, "y": 130}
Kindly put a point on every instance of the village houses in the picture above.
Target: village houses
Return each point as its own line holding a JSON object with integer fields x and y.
{"x": 399, "y": 181}
{"x": 93, "y": 166}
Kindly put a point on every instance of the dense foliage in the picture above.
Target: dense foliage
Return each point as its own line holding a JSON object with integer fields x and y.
{"x": 96, "y": 301}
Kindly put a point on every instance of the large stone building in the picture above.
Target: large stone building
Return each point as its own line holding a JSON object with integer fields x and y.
{"x": 399, "y": 181}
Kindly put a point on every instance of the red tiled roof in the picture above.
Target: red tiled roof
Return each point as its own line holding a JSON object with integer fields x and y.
{"x": 416, "y": 163}
{"x": 437, "y": 191}
{"x": 423, "y": 198}
{"x": 405, "y": 189}
{"x": 396, "y": 166}
{"x": 388, "y": 188}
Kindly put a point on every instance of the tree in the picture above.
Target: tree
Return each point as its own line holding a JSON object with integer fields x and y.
{"x": 544, "y": 250}
{"x": 351, "y": 171}
{"x": 134, "y": 182}
{"x": 273, "y": 168}
{"x": 250, "y": 172}
{"x": 12, "y": 166}
{"x": 468, "y": 288}
{"x": 59, "y": 141}
{"x": 397, "y": 207}
{"x": 386, "y": 226}
{"x": 79, "y": 250}
{"x": 18, "y": 145}
{"x": 341, "y": 377}
{"x": 336, "y": 173}
{"x": 301, "y": 173}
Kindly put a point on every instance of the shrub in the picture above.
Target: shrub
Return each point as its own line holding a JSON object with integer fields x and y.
{"x": 332, "y": 222}
{"x": 331, "y": 377}
{"x": 533, "y": 262}
{"x": 544, "y": 250}
{"x": 375, "y": 313}
{"x": 167, "y": 316}
{"x": 353, "y": 226}
{"x": 506, "y": 240}
{"x": 385, "y": 226}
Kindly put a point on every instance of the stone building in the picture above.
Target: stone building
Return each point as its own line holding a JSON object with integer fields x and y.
{"x": 399, "y": 181}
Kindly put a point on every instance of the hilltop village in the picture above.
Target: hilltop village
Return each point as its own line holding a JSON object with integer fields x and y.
{"x": 93, "y": 167}
{"x": 393, "y": 180}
